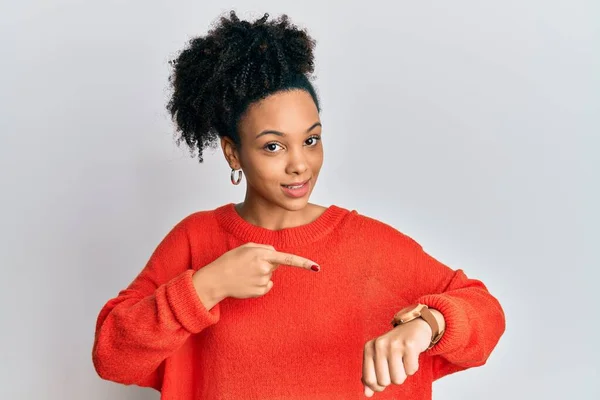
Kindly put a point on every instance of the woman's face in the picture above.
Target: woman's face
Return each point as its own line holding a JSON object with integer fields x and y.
{"x": 281, "y": 151}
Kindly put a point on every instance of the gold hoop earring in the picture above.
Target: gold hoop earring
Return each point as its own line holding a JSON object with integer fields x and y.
{"x": 236, "y": 181}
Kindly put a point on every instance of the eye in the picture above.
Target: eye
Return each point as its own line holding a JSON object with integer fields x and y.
{"x": 312, "y": 141}
{"x": 271, "y": 147}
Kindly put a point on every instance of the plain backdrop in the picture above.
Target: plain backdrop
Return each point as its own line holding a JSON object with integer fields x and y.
{"x": 471, "y": 126}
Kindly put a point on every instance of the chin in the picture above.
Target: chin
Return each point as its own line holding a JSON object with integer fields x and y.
{"x": 293, "y": 204}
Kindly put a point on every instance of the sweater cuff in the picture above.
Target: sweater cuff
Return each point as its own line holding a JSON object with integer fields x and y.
{"x": 456, "y": 333}
{"x": 186, "y": 305}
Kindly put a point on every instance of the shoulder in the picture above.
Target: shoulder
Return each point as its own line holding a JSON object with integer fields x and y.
{"x": 200, "y": 219}
{"x": 373, "y": 229}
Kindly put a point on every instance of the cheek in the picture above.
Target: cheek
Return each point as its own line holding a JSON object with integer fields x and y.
{"x": 265, "y": 171}
{"x": 256, "y": 165}
{"x": 267, "y": 175}
{"x": 316, "y": 160}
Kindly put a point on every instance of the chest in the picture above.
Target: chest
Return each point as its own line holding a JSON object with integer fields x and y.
{"x": 331, "y": 313}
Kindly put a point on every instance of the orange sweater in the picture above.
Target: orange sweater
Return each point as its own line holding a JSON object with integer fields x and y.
{"x": 304, "y": 339}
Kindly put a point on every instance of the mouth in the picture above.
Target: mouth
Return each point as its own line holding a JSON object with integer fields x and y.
{"x": 296, "y": 185}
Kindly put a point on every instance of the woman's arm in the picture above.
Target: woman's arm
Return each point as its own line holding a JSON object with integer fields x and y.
{"x": 153, "y": 317}
{"x": 474, "y": 319}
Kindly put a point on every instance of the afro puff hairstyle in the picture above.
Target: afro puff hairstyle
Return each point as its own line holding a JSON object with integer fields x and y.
{"x": 217, "y": 76}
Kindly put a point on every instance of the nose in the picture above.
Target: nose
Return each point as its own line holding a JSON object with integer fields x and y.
{"x": 297, "y": 163}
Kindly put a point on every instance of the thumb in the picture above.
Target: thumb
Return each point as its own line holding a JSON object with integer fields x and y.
{"x": 269, "y": 286}
{"x": 368, "y": 391}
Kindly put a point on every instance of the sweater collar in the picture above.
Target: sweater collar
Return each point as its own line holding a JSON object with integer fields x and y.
{"x": 229, "y": 218}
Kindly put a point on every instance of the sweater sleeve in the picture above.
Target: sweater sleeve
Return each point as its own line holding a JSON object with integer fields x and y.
{"x": 152, "y": 317}
{"x": 474, "y": 318}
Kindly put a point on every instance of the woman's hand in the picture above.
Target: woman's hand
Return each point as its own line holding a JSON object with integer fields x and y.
{"x": 393, "y": 357}
{"x": 244, "y": 272}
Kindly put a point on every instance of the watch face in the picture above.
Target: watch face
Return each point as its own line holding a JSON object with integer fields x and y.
{"x": 409, "y": 313}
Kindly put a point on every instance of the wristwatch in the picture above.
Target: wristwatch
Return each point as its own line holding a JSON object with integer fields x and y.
{"x": 415, "y": 311}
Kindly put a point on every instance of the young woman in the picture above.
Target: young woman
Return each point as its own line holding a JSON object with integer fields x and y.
{"x": 276, "y": 297}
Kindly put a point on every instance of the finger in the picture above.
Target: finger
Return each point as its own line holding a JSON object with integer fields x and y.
{"x": 269, "y": 287}
{"x": 277, "y": 257}
{"x": 411, "y": 361}
{"x": 264, "y": 289}
{"x": 382, "y": 368}
{"x": 397, "y": 372}
{"x": 369, "y": 376}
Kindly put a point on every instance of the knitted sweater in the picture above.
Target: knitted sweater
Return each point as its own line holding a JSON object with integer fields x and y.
{"x": 304, "y": 339}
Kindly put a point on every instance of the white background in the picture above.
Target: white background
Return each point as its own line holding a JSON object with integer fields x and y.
{"x": 471, "y": 126}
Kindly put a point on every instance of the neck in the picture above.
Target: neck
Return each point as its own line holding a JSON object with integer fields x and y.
{"x": 260, "y": 212}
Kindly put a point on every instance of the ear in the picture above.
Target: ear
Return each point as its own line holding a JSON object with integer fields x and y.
{"x": 231, "y": 153}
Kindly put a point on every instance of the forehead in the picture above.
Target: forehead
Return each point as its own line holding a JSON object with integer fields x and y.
{"x": 287, "y": 111}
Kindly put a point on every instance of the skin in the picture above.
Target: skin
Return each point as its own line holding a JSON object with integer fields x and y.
{"x": 394, "y": 356}
{"x": 268, "y": 160}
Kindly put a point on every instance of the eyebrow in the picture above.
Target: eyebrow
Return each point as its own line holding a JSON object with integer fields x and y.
{"x": 283, "y": 134}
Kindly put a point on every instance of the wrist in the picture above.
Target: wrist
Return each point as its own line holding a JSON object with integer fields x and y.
{"x": 427, "y": 328}
{"x": 207, "y": 287}
{"x": 439, "y": 317}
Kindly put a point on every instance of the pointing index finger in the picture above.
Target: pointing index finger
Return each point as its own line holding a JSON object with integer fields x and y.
{"x": 278, "y": 257}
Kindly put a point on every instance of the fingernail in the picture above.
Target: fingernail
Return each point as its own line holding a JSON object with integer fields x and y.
{"x": 315, "y": 268}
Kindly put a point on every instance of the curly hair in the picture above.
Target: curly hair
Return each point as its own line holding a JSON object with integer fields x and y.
{"x": 217, "y": 76}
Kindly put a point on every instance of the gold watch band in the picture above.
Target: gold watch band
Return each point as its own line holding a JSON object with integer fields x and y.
{"x": 419, "y": 311}
{"x": 436, "y": 334}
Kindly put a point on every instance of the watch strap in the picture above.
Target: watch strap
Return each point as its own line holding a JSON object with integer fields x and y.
{"x": 436, "y": 334}
{"x": 420, "y": 311}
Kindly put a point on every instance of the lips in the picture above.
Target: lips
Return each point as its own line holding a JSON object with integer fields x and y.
{"x": 296, "y": 190}
{"x": 295, "y": 185}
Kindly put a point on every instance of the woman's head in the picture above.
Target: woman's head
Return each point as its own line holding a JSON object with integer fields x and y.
{"x": 248, "y": 83}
